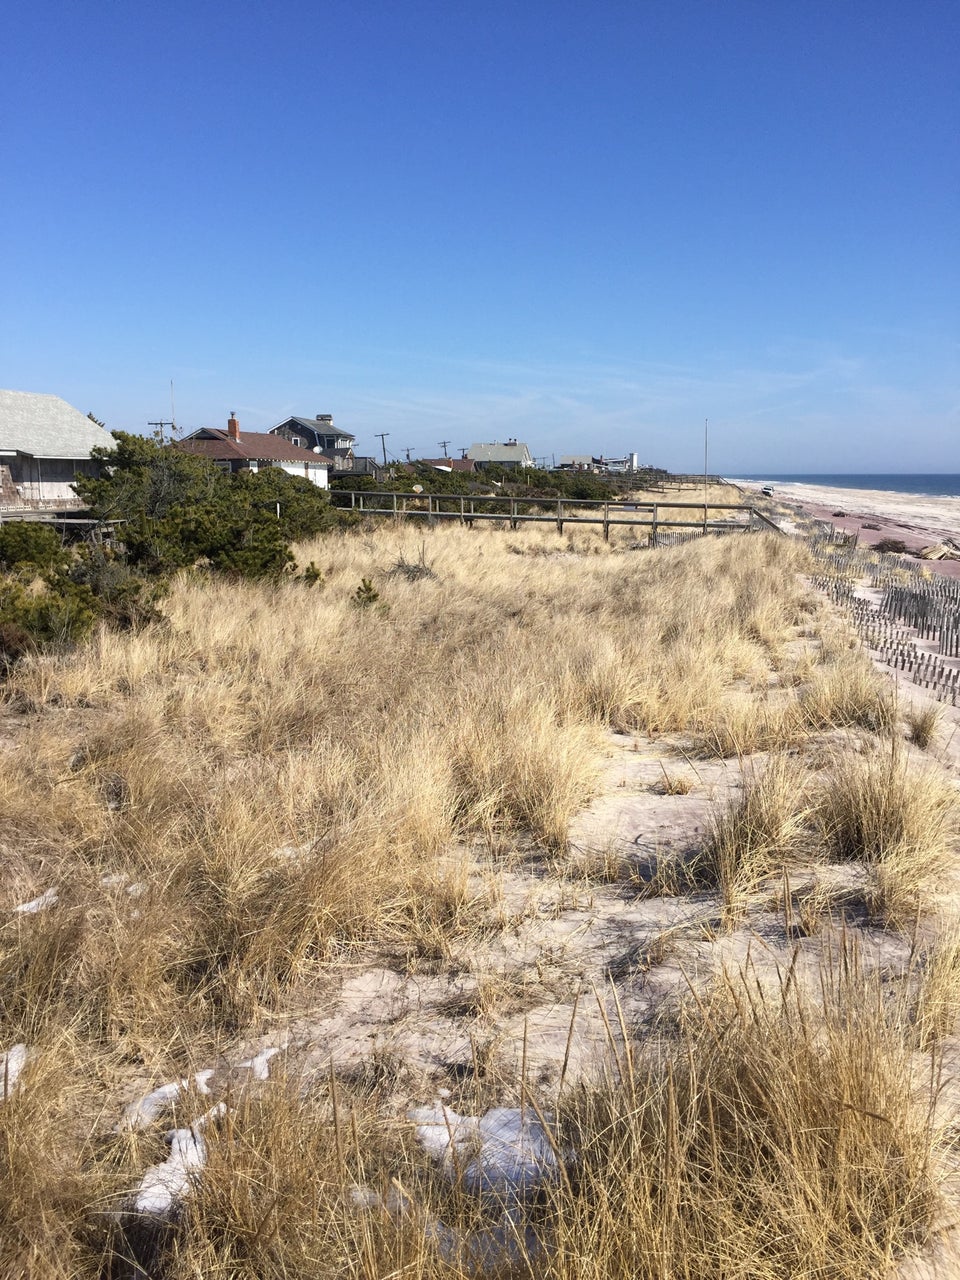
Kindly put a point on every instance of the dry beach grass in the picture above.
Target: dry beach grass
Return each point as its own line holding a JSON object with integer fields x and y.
{"x": 278, "y": 792}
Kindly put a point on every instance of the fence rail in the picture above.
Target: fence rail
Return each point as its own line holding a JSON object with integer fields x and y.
{"x": 655, "y": 516}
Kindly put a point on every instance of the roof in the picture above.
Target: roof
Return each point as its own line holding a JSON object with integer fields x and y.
{"x": 314, "y": 424}
{"x": 45, "y": 426}
{"x": 452, "y": 464}
{"x": 255, "y": 446}
{"x": 515, "y": 451}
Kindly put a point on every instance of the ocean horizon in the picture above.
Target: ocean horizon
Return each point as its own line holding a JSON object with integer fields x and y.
{"x": 935, "y": 485}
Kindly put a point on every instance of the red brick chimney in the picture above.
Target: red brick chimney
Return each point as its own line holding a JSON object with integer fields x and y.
{"x": 233, "y": 426}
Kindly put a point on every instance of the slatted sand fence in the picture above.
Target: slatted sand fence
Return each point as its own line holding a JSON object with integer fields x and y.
{"x": 909, "y": 619}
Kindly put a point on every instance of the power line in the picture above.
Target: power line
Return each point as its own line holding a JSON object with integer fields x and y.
{"x": 160, "y": 426}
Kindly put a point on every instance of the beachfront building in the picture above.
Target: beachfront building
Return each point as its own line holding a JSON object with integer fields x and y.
{"x": 236, "y": 450}
{"x": 512, "y": 455}
{"x": 579, "y": 462}
{"x": 317, "y": 433}
{"x": 586, "y": 462}
{"x": 45, "y": 445}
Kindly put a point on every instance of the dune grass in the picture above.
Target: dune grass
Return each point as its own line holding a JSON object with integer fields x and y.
{"x": 778, "y": 1134}
{"x": 771, "y": 1133}
{"x": 758, "y": 834}
{"x": 232, "y": 803}
{"x": 899, "y": 820}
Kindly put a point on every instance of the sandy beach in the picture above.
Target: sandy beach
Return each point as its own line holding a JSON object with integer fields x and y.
{"x": 917, "y": 520}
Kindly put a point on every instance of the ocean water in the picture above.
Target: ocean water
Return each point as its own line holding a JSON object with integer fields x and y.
{"x": 941, "y": 486}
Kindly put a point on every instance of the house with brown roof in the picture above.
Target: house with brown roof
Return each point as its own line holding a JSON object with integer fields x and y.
{"x": 236, "y": 450}
{"x": 466, "y": 465}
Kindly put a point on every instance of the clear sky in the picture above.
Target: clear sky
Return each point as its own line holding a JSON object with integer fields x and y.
{"x": 590, "y": 226}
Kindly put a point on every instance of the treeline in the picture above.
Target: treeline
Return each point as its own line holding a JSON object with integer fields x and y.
{"x": 532, "y": 482}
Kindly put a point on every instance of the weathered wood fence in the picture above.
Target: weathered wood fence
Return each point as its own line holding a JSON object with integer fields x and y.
{"x": 657, "y": 517}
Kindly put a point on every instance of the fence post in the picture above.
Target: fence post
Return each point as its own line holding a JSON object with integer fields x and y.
{"x": 606, "y": 522}
{"x": 560, "y": 515}
{"x": 513, "y": 513}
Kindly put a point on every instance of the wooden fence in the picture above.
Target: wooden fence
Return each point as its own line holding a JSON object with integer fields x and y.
{"x": 654, "y": 516}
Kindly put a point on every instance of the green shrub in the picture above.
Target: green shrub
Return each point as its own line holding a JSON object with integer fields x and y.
{"x": 23, "y": 542}
{"x": 124, "y": 597}
{"x": 58, "y": 612}
{"x": 178, "y": 509}
{"x": 366, "y": 594}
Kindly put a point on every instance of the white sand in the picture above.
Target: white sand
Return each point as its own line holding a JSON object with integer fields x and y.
{"x": 913, "y": 512}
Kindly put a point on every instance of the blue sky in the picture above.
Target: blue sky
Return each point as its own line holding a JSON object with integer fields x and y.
{"x": 588, "y": 226}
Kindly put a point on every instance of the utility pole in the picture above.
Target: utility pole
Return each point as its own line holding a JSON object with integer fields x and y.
{"x": 382, "y": 437}
{"x": 705, "y": 475}
{"x": 463, "y": 450}
{"x": 159, "y": 431}
{"x": 408, "y": 452}
{"x": 444, "y": 445}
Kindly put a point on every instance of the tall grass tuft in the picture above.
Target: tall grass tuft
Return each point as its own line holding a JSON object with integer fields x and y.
{"x": 757, "y": 834}
{"x": 848, "y": 693}
{"x": 897, "y": 819}
{"x": 781, "y": 1134}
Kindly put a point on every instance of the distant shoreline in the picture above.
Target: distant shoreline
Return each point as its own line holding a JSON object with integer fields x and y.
{"x": 918, "y": 520}
{"x": 919, "y": 484}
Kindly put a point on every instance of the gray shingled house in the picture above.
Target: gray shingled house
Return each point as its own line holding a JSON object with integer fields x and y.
{"x": 44, "y": 445}
{"x": 317, "y": 433}
{"x": 512, "y": 454}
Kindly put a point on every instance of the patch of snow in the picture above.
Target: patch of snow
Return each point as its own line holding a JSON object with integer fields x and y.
{"x": 117, "y": 880}
{"x": 293, "y": 852}
{"x": 49, "y": 898}
{"x": 504, "y": 1156}
{"x": 11, "y": 1064}
{"x": 146, "y": 1109}
{"x": 506, "y": 1152}
{"x": 163, "y": 1186}
{"x": 259, "y": 1066}
{"x": 366, "y": 1198}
